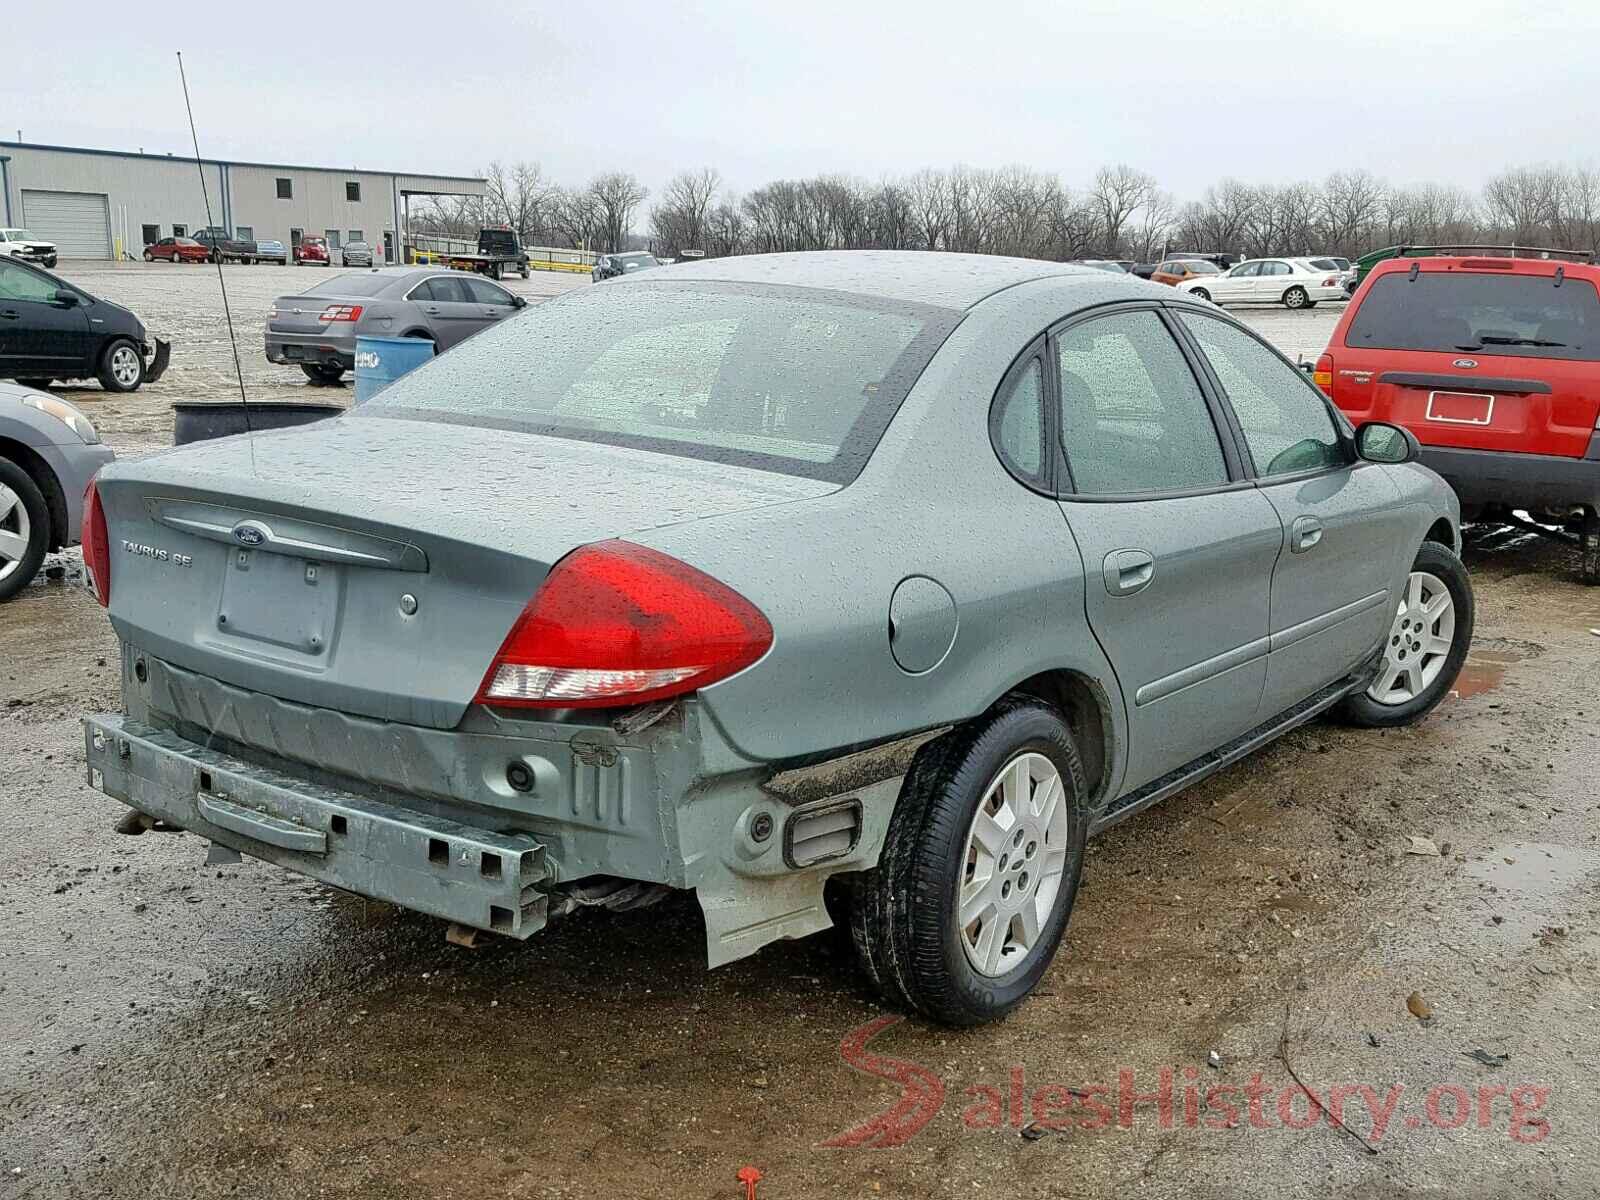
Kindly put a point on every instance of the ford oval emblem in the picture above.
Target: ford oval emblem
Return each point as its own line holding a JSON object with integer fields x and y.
{"x": 1465, "y": 364}
{"x": 249, "y": 533}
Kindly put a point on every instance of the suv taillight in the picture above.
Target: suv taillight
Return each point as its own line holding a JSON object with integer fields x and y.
{"x": 619, "y": 624}
{"x": 96, "y": 544}
{"x": 341, "y": 312}
{"x": 1322, "y": 374}
{"x": 1331, "y": 281}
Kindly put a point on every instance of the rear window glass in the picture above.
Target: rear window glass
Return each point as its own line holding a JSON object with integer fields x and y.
{"x": 786, "y": 379}
{"x": 352, "y": 285}
{"x": 1523, "y": 316}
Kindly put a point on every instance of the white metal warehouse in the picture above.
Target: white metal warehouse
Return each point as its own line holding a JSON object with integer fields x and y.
{"x": 111, "y": 203}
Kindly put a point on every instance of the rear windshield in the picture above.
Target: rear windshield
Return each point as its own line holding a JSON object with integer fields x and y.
{"x": 367, "y": 284}
{"x": 793, "y": 380}
{"x": 1523, "y": 316}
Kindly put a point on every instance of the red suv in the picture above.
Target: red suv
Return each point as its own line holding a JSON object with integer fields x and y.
{"x": 311, "y": 250}
{"x": 1494, "y": 363}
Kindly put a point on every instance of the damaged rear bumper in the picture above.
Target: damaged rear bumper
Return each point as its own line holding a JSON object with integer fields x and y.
{"x": 477, "y": 877}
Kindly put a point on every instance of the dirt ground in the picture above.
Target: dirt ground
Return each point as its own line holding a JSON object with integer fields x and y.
{"x": 173, "y": 1030}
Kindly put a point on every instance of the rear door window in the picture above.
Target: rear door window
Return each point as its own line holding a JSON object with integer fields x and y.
{"x": 484, "y": 292}
{"x": 1523, "y": 316}
{"x": 1286, "y": 421}
{"x": 1133, "y": 418}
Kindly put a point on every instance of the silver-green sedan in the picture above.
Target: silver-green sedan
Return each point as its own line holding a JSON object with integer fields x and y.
{"x": 893, "y": 576}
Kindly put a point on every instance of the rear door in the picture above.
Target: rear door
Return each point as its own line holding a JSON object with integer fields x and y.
{"x": 449, "y": 309}
{"x": 1494, "y": 358}
{"x": 1344, "y": 531}
{"x": 1178, "y": 546}
{"x": 39, "y": 334}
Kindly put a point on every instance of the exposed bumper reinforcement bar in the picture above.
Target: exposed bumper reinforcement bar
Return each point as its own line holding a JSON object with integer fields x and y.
{"x": 472, "y": 876}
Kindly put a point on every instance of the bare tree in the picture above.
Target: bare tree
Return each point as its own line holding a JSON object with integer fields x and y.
{"x": 520, "y": 196}
{"x": 682, "y": 219}
{"x": 1351, "y": 204}
{"x": 616, "y": 196}
{"x": 1118, "y": 192}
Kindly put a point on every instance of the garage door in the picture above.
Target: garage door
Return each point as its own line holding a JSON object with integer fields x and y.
{"x": 79, "y": 223}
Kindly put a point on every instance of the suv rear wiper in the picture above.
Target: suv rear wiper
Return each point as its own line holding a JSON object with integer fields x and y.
{"x": 1492, "y": 340}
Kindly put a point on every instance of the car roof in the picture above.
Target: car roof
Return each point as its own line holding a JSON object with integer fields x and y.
{"x": 1488, "y": 264}
{"x": 956, "y": 281}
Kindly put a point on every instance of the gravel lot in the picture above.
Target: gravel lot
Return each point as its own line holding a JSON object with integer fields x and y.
{"x": 172, "y": 1030}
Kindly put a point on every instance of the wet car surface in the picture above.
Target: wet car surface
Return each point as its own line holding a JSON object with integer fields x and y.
{"x": 167, "y": 1028}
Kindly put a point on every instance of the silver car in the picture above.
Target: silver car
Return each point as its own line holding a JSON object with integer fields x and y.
{"x": 48, "y": 453}
{"x": 356, "y": 254}
{"x": 890, "y": 575}
{"x": 317, "y": 329}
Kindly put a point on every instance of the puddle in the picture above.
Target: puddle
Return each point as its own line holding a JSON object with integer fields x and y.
{"x": 1526, "y": 885}
{"x": 1484, "y": 671}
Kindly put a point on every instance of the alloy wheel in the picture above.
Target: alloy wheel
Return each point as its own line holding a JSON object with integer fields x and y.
{"x": 125, "y": 366}
{"x": 16, "y": 531}
{"x": 1419, "y": 641}
{"x": 1012, "y": 864}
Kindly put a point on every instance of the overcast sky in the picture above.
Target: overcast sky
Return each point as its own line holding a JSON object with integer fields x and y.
{"x": 1267, "y": 90}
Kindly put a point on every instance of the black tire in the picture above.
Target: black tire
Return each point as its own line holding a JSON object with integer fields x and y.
{"x": 38, "y": 515}
{"x": 902, "y": 913}
{"x": 108, "y": 375}
{"x": 1589, "y": 547}
{"x": 1296, "y": 297}
{"x": 1201, "y": 292}
{"x": 319, "y": 373}
{"x": 148, "y": 257}
{"x": 525, "y": 272}
{"x": 1362, "y": 710}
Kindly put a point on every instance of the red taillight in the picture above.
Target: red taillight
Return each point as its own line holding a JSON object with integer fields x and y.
{"x": 96, "y": 544}
{"x": 614, "y": 624}
{"x": 1322, "y": 374}
{"x": 1331, "y": 281}
{"x": 342, "y": 312}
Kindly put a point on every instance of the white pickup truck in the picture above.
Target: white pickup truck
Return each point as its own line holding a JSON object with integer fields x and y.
{"x": 19, "y": 243}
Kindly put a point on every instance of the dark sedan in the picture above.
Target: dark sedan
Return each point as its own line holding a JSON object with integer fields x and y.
{"x": 53, "y": 330}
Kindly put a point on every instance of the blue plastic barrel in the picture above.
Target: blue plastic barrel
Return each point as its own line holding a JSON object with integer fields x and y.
{"x": 382, "y": 360}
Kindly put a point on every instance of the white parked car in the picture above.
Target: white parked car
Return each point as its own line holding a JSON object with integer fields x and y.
{"x": 1292, "y": 282}
{"x": 19, "y": 243}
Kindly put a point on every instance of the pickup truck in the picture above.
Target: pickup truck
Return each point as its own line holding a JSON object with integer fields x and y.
{"x": 224, "y": 246}
{"x": 499, "y": 250}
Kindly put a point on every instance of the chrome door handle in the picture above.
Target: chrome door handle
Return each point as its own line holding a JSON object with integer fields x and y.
{"x": 1128, "y": 571}
{"x": 9, "y": 314}
{"x": 1305, "y": 533}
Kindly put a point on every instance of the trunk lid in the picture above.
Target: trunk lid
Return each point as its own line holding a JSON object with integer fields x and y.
{"x": 301, "y": 314}
{"x": 371, "y": 565}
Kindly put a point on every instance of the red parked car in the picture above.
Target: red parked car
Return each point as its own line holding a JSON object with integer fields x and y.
{"x": 1493, "y": 361}
{"x": 176, "y": 249}
{"x": 311, "y": 250}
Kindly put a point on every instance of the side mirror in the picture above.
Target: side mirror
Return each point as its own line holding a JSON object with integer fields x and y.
{"x": 519, "y": 302}
{"x": 1380, "y": 442}
{"x": 66, "y": 299}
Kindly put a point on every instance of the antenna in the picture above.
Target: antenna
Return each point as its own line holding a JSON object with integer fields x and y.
{"x": 244, "y": 402}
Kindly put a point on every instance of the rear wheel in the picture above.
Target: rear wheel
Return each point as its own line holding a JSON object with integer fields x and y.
{"x": 971, "y": 895}
{"x": 121, "y": 368}
{"x": 1589, "y": 545}
{"x": 1201, "y": 292}
{"x": 148, "y": 257}
{"x": 24, "y": 528}
{"x": 1425, "y": 647}
{"x": 321, "y": 373}
{"x": 1296, "y": 297}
